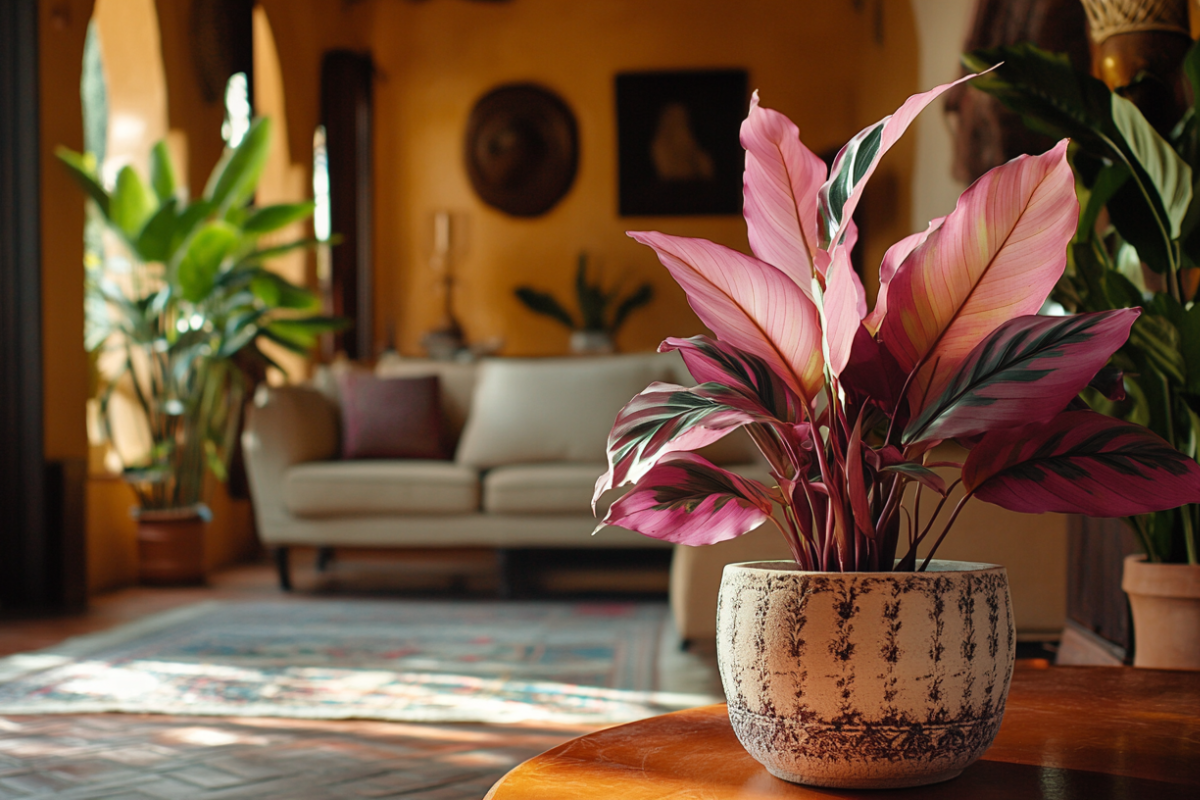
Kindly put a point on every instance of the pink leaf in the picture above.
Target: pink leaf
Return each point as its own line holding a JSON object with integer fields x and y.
{"x": 711, "y": 360}
{"x": 843, "y": 307}
{"x": 887, "y": 270}
{"x": 749, "y": 304}
{"x": 781, "y": 182}
{"x": 1081, "y": 462}
{"x": 995, "y": 257}
{"x": 1026, "y": 370}
{"x": 687, "y": 500}
{"x": 666, "y": 418}
{"x": 856, "y": 162}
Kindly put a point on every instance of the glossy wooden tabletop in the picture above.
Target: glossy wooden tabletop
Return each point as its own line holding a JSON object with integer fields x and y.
{"x": 1069, "y": 733}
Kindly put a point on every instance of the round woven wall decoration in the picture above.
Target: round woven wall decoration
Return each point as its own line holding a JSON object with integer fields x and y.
{"x": 521, "y": 149}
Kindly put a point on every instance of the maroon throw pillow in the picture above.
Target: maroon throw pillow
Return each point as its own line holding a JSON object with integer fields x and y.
{"x": 391, "y": 417}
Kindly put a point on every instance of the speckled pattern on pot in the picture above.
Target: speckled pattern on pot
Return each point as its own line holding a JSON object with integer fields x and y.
{"x": 865, "y": 680}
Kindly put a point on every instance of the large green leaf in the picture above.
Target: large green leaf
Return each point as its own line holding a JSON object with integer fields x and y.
{"x": 162, "y": 172}
{"x": 131, "y": 203}
{"x": 303, "y": 331}
{"x": 1159, "y": 340}
{"x": 82, "y": 168}
{"x": 235, "y": 177}
{"x": 154, "y": 241}
{"x": 1170, "y": 176}
{"x": 276, "y": 292}
{"x": 197, "y": 271}
{"x": 267, "y": 253}
{"x": 272, "y": 218}
{"x": 186, "y": 222}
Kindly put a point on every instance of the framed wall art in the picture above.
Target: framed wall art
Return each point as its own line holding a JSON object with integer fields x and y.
{"x": 677, "y": 142}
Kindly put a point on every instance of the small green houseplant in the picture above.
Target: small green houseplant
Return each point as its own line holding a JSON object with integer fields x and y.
{"x": 854, "y": 666}
{"x": 601, "y": 314}
{"x": 188, "y": 315}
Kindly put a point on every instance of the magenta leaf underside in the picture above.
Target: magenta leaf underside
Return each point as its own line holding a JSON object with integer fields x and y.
{"x": 1081, "y": 462}
{"x": 1026, "y": 370}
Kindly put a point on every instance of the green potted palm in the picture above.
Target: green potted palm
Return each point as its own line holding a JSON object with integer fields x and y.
{"x": 188, "y": 302}
{"x": 602, "y": 311}
{"x": 1137, "y": 246}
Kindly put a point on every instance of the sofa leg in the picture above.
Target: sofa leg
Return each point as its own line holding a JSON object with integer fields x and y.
{"x": 281, "y": 566}
{"x": 504, "y": 569}
{"x": 324, "y": 557}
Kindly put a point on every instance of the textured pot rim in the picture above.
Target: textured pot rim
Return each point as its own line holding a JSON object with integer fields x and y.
{"x": 936, "y": 567}
{"x": 1150, "y": 579}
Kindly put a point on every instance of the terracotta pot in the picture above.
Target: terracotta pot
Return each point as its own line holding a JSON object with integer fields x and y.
{"x": 171, "y": 545}
{"x": 1165, "y": 599}
{"x": 865, "y": 680}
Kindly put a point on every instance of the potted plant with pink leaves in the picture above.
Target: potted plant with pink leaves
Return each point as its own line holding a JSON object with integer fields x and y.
{"x": 859, "y": 664}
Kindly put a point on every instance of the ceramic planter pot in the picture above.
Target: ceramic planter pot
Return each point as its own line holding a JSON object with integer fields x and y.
{"x": 171, "y": 545}
{"x": 865, "y": 680}
{"x": 1165, "y": 600}
{"x": 591, "y": 343}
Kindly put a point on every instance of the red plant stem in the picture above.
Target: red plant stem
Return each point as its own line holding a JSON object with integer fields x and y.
{"x": 792, "y": 544}
{"x": 936, "y": 512}
{"x": 916, "y": 515}
{"x": 945, "y": 530}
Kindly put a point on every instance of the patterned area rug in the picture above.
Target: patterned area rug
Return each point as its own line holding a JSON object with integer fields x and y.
{"x": 495, "y": 662}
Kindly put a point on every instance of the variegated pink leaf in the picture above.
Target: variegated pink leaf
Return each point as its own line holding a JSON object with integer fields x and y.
{"x": 995, "y": 257}
{"x": 856, "y": 162}
{"x": 780, "y": 184}
{"x": 666, "y": 418}
{"x": 1027, "y": 370}
{"x": 1081, "y": 462}
{"x": 709, "y": 360}
{"x": 687, "y": 500}
{"x": 887, "y": 270}
{"x": 748, "y": 303}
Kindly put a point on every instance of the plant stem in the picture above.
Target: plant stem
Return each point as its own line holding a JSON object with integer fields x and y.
{"x": 1189, "y": 533}
{"x": 950, "y": 522}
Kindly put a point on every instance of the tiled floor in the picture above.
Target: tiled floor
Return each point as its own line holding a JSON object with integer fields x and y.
{"x": 147, "y": 757}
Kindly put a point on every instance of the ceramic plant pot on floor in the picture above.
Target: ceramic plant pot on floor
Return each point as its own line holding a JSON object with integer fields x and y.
{"x": 865, "y": 680}
{"x": 1165, "y": 600}
{"x": 171, "y": 545}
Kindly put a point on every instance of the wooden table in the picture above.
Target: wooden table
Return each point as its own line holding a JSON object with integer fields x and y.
{"x": 1069, "y": 733}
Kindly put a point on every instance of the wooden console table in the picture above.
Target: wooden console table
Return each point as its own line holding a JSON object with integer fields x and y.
{"x": 1069, "y": 733}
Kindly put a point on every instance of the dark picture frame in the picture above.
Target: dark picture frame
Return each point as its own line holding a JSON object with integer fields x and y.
{"x": 677, "y": 142}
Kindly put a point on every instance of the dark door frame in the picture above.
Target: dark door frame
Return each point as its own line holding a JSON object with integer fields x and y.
{"x": 24, "y": 549}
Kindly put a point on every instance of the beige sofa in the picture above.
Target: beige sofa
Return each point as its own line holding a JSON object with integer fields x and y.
{"x": 530, "y": 438}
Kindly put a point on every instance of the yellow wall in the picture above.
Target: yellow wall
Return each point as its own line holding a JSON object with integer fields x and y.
{"x": 62, "y": 26}
{"x": 816, "y": 61}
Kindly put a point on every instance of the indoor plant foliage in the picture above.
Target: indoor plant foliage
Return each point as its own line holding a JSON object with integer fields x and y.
{"x": 1138, "y": 184}
{"x": 197, "y": 300}
{"x": 602, "y": 311}
{"x": 845, "y": 404}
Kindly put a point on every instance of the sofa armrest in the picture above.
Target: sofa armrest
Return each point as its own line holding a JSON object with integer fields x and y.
{"x": 285, "y": 425}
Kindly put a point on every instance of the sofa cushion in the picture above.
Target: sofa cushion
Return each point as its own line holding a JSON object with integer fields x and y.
{"x": 339, "y": 488}
{"x": 558, "y": 488}
{"x": 391, "y": 418}
{"x": 551, "y": 409}
{"x": 456, "y": 379}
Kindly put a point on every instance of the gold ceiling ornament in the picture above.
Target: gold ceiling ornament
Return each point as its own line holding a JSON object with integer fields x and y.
{"x": 1107, "y": 18}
